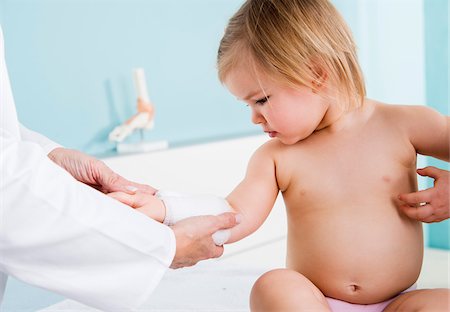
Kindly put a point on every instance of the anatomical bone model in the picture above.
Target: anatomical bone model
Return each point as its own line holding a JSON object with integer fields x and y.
{"x": 143, "y": 119}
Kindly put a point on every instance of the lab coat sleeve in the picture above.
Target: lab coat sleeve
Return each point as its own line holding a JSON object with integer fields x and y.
{"x": 8, "y": 115}
{"x": 46, "y": 144}
{"x": 64, "y": 236}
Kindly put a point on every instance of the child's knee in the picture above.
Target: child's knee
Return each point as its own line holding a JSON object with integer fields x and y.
{"x": 439, "y": 301}
{"x": 266, "y": 281}
{"x": 280, "y": 283}
{"x": 423, "y": 300}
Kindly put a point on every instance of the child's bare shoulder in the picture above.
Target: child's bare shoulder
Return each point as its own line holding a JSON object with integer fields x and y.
{"x": 406, "y": 117}
{"x": 404, "y": 112}
{"x": 267, "y": 151}
{"x": 420, "y": 124}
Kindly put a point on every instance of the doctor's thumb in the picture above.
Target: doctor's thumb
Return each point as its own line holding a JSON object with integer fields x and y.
{"x": 227, "y": 220}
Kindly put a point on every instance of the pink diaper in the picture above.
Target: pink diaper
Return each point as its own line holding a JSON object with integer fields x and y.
{"x": 342, "y": 306}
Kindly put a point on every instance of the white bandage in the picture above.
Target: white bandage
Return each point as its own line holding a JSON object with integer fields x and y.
{"x": 182, "y": 206}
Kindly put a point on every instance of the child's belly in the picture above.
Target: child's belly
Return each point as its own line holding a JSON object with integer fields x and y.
{"x": 356, "y": 256}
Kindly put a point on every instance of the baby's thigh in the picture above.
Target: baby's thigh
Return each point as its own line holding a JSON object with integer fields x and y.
{"x": 427, "y": 300}
{"x": 286, "y": 290}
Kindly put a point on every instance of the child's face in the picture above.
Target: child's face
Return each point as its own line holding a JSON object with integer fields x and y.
{"x": 288, "y": 114}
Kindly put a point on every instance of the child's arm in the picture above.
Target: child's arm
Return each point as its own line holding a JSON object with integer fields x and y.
{"x": 428, "y": 131}
{"x": 255, "y": 196}
{"x": 253, "y": 199}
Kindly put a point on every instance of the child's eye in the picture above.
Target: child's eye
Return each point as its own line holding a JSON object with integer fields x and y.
{"x": 262, "y": 100}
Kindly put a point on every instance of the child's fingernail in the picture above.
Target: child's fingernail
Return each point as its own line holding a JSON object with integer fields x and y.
{"x": 131, "y": 188}
{"x": 238, "y": 218}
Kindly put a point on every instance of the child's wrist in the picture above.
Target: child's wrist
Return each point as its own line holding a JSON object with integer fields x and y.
{"x": 154, "y": 208}
{"x": 157, "y": 209}
{"x": 160, "y": 210}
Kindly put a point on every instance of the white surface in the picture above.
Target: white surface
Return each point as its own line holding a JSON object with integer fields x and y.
{"x": 224, "y": 284}
{"x": 144, "y": 146}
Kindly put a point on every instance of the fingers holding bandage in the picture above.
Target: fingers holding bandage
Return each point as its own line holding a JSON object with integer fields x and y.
{"x": 221, "y": 237}
{"x": 171, "y": 207}
{"x": 182, "y": 206}
{"x": 197, "y": 221}
{"x": 194, "y": 236}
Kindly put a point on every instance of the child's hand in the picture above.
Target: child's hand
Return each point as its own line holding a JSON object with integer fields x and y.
{"x": 143, "y": 202}
{"x": 430, "y": 205}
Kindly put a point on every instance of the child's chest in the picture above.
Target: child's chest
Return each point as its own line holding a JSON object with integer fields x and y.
{"x": 347, "y": 166}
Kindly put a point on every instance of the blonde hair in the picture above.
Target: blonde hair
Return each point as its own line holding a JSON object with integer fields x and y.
{"x": 297, "y": 42}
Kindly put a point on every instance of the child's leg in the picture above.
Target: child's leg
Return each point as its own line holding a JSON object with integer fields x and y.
{"x": 426, "y": 300}
{"x": 286, "y": 290}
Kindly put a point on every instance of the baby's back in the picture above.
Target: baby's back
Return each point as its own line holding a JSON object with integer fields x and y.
{"x": 340, "y": 188}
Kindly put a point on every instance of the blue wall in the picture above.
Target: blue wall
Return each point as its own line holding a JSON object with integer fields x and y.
{"x": 20, "y": 297}
{"x": 71, "y": 62}
{"x": 437, "y": 86}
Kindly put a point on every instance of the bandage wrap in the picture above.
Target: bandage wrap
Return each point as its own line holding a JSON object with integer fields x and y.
{"x": 182, "y": 206}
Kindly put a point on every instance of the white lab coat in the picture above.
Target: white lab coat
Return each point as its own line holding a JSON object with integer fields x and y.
{"x": 64, "y": 236}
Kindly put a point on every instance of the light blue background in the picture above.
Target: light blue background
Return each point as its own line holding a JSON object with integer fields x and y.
{"x": 437, "y": 86}
{"x": 71, "y": 61}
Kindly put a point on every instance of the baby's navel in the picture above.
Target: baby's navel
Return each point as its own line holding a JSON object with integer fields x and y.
{"x": 353, "y": 288}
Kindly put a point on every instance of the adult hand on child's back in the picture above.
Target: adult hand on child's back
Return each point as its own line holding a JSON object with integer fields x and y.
{"x": 430, "y": 205}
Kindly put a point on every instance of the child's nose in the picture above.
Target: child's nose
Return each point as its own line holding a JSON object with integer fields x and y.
{"x": 257, "y": 118}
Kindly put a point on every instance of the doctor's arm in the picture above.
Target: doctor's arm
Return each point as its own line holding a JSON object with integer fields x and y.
{"x": 83, "y": 167}
{"x": 61, "y": 235}
{"x": 64, "y": 236}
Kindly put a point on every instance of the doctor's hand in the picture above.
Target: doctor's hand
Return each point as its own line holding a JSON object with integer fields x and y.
{"x": 194, "y": 238}
{"x": 94, "y": 172}
{"x": 430, "y": 205}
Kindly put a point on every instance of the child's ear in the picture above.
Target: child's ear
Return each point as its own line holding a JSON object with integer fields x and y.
{"x": 319, "y": 76}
